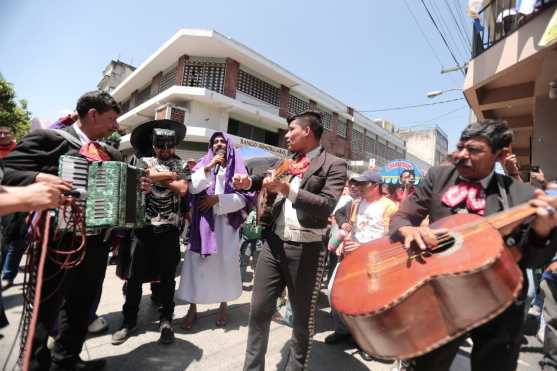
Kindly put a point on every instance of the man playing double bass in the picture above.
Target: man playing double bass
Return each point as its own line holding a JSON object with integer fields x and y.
{"x": 294, "y": 254}
{"x": 472, "y": 186}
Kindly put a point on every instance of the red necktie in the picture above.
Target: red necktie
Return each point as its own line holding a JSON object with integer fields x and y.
{"x": 93, "y": 151}
{"x": 299, "y": 165}
{"x": 472, "y": 193}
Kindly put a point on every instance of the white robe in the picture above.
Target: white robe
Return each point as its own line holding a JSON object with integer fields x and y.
{"x": 215, "y": 278}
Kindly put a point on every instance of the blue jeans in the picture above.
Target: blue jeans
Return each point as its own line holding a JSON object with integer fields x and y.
{"x": 12, "y": 258}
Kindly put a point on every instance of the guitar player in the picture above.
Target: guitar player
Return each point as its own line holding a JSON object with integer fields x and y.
{"x": 470, "y": 185}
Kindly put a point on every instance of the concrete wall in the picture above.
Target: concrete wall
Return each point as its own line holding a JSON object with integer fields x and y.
{"x": 544, "y": 140}
{"x": 421, "y": 144}
{"x": 206, "y": 116}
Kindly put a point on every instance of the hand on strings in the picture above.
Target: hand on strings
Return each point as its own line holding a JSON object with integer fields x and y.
{"x": 350, "y": 245}
{"x": 207, "y": 202}
{"x": 276, "y": 185}
{"x": 146, "y": 184}
{"x": 241, "y": 181}
{"x": 546, "y": 217}
{"x": 40, "y": 196}
{"x": 424, "y": 237}
{"x": 63, "y": 185}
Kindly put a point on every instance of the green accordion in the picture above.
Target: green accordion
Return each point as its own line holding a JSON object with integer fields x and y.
{"x": 113, "y": 189}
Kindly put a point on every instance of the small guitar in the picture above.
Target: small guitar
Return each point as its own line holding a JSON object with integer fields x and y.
{"x": 265, "y": 200}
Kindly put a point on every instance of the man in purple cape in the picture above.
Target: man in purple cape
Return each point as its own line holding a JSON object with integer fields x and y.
{"x": 211, "y": 272}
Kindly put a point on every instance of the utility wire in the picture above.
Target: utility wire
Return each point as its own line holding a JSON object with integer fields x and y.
{"x": 438, "y": 15}
{"x": 433, "y": 118}
{"x": 462, "y": 20}
{"x": 441, "y": 34}
{"x": 412, "y": 106}
{"x": 460, "y": 32}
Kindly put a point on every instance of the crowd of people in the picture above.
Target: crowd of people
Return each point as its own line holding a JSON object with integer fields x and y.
{"x": 308, "y": 217}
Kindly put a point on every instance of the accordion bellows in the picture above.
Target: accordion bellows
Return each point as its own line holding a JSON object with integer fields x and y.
{"x": 114, "y": 196}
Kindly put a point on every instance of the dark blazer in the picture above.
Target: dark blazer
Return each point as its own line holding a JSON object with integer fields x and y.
{"x": 321, "y": 187}
{"x": 426, "y": 200}
{"x": 39, "y": 152}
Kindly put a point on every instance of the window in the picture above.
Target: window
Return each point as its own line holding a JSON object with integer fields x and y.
{"x": 370, "y": 145}
{"x": 326, "y": 117}
{"x": 143, "y": 95}
{"x": 248, "y": 131}
{"x": 357, "y": 139}
{"x": 125, "y": 106}
{"x": 205, "y": 73}
{"x": 258, "y": 88}
{"x": 296, "y": 105}
{"x": 342, "y": 128}
{"x": 168, "y": 79}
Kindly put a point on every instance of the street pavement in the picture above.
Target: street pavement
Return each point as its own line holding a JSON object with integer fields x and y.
{"x": 206, "y": 347}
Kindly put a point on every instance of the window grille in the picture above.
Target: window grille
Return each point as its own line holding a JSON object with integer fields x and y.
{"x": 168, "y": 79}
{"x": 205, "y": 74}
{"x": 296, "y": 105}
{"x": 125, "y": 106}
{"x": 357, "y": 140}
{"x": 326, "y": 117}
{"x": 258, "y": 88}
{"x": 370, "y": 145}
{"x": 342, "y": 128}
{"x": 143, "y": 95}
{"x": 381, "y": 149}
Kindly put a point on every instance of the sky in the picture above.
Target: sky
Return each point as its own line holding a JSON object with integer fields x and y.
{"x": 369, "y": 54}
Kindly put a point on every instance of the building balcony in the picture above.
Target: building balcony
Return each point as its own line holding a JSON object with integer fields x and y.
{"x": 509, "y": 74}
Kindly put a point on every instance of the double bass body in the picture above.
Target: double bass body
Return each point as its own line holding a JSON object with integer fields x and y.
{"x": 401, "y": 303}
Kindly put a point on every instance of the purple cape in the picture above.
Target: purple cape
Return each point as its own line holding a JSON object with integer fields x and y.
{"x": 202, "y": 237}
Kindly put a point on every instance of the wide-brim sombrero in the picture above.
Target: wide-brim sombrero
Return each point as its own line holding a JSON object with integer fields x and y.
{"x": 142, "y": 136}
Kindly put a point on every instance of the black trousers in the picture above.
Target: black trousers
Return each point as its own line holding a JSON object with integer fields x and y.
{"x": 68, "y": 296}
{"x": 496, "y": 345}
{"x": 154, "y": 252}
{"x": 298, "y": 266}
{"x": 549, "y": 291}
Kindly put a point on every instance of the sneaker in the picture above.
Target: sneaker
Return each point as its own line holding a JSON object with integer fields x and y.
{"x": 535, "y": 311}
{"x": 98, "y": 325}
{"x": 336, "y": 338}
{"x": 120, "y": 336}
{"x": 167, "y": 333}
{"x": 6, "y": 284}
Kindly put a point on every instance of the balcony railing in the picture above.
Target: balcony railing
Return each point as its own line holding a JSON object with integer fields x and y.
{"x": 499, "y": 18}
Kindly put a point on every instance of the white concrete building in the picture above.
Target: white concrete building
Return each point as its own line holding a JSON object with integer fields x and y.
{"x": 214, "y": 83}
{"x": 429, "y": 144}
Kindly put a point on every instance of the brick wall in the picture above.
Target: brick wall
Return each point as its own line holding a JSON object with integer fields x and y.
{"x": 231, "y": 77}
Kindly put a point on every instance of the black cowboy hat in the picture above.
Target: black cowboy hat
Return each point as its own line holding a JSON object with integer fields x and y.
{"x": 142, "y": 136}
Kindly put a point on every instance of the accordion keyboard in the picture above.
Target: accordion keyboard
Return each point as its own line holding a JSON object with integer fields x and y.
{"x": 75, "y": 170}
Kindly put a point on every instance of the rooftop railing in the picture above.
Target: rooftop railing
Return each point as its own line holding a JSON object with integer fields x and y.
{"x": 499, "y": 18}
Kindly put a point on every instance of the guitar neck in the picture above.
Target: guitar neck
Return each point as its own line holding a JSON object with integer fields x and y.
{"x": 514, "y": 215}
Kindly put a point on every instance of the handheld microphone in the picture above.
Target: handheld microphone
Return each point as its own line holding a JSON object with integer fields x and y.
{"x": 220, "y": 151}
{"x": 77, "y": 193}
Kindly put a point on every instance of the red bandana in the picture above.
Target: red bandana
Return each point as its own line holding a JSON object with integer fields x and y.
{"x": 472, "y": 193}
{"x": 93, "y": 151}
{"x": 299, "y": 165}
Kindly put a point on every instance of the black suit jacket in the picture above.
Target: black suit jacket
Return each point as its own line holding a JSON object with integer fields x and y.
{"x": 39, "y": 152}
{"x": 321, "y": 187}
{"x": 426, "y": 200}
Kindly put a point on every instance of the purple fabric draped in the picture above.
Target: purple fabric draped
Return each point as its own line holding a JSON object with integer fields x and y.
{"x": 202, "y": 237}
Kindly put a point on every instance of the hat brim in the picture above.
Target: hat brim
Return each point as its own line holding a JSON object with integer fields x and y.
{"x": 142, "y": 136}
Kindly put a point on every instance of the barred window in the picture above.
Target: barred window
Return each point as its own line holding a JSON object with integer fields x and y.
{"x": 296, "y": 105}
{"x": 168, "y": 79}
{"x": 258, "y": 88}
{"x": 143, "y": 95}
{"x": 370, "y": 145}
{"x": 205, "y": 74}
{"x": 326, "y": 117}
{"x": 357, "y": 140}
{"x": 380, "y": 149}
{"x": 342, "y": 128}
{"x": 125, "y": 106}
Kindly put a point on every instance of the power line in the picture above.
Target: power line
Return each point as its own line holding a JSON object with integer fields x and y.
{"x": 412, "y": 106}
{"x": 459, "y": 12}
{"x": 441, "y": 34}
{"x": 438, "y": 15}
{"x": 434, "y": 118}
{"x": 460, "y": 31}
{"x": 424, "y": 35}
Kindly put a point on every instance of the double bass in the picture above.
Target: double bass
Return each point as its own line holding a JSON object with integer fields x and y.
{"x": 402, "y": 303}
